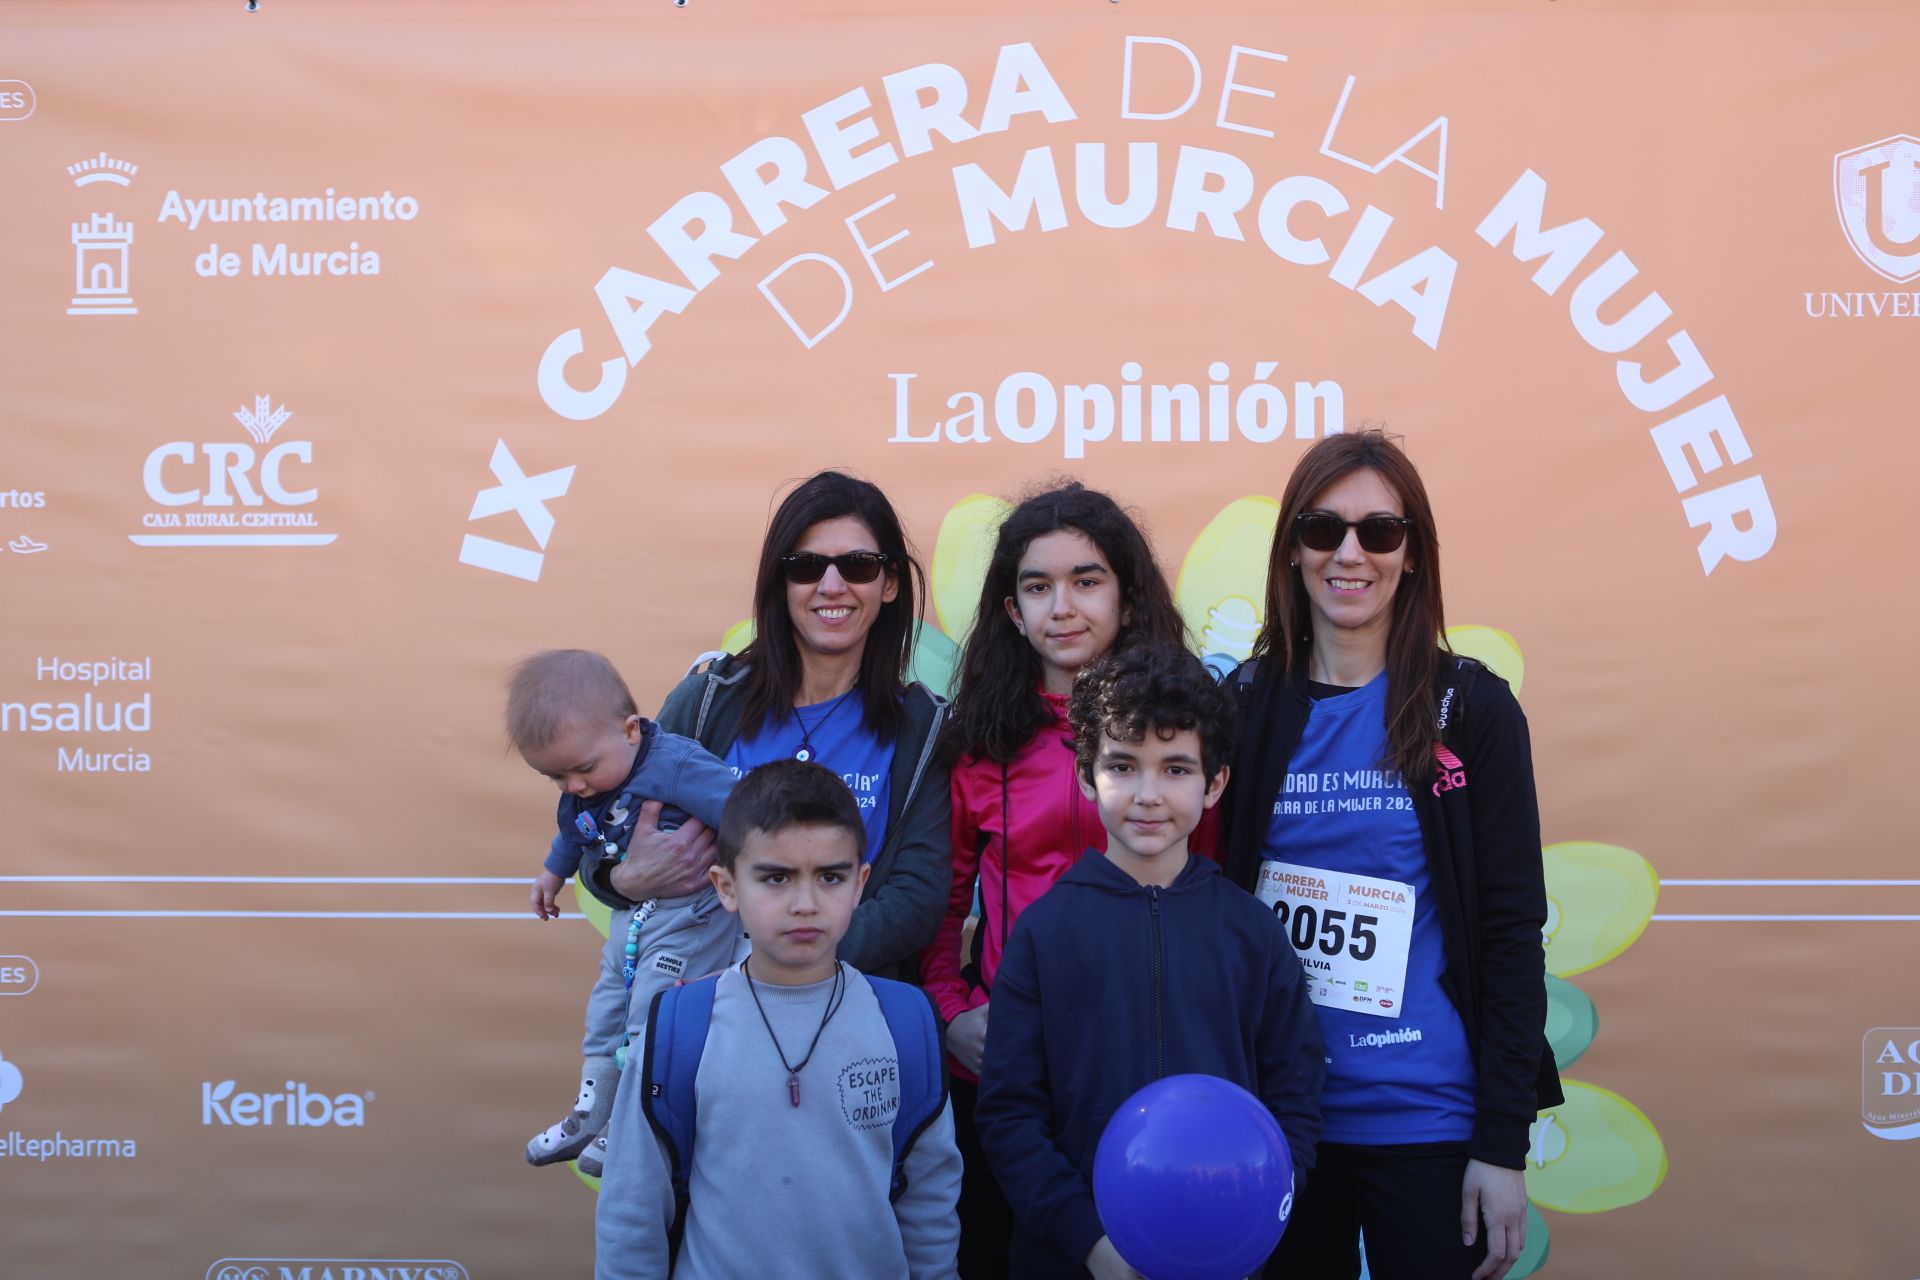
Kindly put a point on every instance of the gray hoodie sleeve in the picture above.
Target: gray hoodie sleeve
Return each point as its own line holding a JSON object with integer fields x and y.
{"x": 928, "y": 1210}
{"x": 635, "y": 1211}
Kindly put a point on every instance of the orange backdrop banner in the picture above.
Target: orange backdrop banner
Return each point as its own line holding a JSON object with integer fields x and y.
{"x": 355, "y": 350}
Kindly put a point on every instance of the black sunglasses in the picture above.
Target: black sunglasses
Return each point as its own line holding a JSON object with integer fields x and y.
{"x": 803, "y": 567}
{"x": 1324, "y": 531}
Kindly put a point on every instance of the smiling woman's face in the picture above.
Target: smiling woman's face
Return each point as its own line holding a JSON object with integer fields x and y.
{"x": 1351, "y": 589}
{"x": 833, "y": 616}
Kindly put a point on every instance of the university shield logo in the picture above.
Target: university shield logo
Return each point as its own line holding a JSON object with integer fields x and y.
{"x": 1877, "y": 191}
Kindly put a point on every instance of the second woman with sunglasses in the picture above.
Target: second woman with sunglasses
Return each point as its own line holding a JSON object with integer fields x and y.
{"x": 834, "y": 600}
{"x": 1382, "y": 803}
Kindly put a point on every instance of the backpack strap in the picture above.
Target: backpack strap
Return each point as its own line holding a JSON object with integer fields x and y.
{"x": 676, "y": 1038}
{"x": 923, "y": 1071}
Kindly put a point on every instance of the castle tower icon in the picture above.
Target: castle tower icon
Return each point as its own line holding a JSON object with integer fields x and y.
{"x": 100, "y": 267}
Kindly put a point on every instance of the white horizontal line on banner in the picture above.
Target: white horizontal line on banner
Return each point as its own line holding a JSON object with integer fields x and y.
{"x": 1789, "y": 884}
{"x": 285, "y": 915}
{"x": 1784, "y": 919}
{"x": 231, "y": 539}
{"x": 410, "y": 880}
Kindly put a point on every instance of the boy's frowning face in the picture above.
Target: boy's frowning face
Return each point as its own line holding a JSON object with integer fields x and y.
{"x": 795, "y": 890}
{"x": 589, "y": 756}
{"x": 1151, "y": 793}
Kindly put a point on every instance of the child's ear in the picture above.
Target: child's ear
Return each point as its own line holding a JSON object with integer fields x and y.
{"x": 1013, "y": 611}
{"x": 1216, "y": 785}
{"x": 860, "y": 880}
{"x": 1086, "y": 784}
{"x": 723, "y": 886}
{"x": 632, "y": 728}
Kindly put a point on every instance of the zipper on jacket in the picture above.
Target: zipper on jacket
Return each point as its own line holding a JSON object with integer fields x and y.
{"x": 1159, "y": 1028}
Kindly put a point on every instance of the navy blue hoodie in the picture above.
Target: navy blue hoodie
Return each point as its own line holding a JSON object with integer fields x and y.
{"x": 1108, "y": 985}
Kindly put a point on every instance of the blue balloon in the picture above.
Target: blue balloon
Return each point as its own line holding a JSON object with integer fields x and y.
{"x": 1193, "y": 1180}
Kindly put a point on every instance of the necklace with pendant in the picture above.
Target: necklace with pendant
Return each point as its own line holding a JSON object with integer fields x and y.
{"x": 834, "y": 998}
{"x": 805, "y": 752}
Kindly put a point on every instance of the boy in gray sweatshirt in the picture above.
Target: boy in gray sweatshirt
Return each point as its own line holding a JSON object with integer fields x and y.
{"x": 797, "y": 1087}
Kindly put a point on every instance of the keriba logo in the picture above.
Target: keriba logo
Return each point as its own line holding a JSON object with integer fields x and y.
{"x": 300, "y": 1105}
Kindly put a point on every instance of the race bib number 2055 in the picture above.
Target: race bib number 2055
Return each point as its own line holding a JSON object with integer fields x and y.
{"x": 1352, "y": 934}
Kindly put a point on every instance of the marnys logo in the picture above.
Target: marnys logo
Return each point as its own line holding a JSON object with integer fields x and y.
{"x": 300, "y": 1106}
{"x": 336, "y": 1269}
{"x": 209, "y": 488}
{"x": 1890, "y": 1082}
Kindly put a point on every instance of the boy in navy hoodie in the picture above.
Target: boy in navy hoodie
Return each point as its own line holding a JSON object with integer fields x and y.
{"x": 1139, "y": 964}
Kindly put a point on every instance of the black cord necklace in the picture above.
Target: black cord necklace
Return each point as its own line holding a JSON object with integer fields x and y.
{"x": 833, "y": 1006}
{"x": 805, "y": 752}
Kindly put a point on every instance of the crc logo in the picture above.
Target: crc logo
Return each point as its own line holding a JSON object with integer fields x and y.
{"x": 1877, "y": 191}
{"x": 19, "y": 975}
{"x": 1890, "y": 1082}
{"x": 299, "y": 1106}
{"x": 232, "y": 493}
{"x": 336, "y": 1269}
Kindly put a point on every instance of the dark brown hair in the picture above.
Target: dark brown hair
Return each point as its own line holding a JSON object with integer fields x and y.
{"x": 1150, "y": 687}
{"x": 1415, "y": 634}
{"x": 997, "y": 705}
{"x": 788, "y": 793}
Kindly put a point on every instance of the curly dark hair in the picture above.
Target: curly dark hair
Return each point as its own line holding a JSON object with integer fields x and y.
{"x": 1150, "y": 686}
{"x": 997, "y": 706}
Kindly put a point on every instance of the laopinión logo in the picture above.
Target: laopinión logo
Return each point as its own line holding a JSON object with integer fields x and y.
{"x": 1890, "y": 1082}
{"x": 1876, "y": 191}
{"x": 300, "y": 1105}
{"x": 336, "y": 1269}
{"x": 229, "y": 493}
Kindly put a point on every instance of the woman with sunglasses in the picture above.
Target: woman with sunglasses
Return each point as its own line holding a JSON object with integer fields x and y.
{"x": 834, "y": 601}
{"x": 1383, "y": 804}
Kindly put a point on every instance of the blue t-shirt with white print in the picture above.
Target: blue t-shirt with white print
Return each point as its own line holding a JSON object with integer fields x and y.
{"x": 1389, "y": 1080}
{"x": 836, "y": 736}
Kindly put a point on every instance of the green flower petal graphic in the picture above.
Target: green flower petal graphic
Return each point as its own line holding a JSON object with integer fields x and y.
{"x": 1599, "y": 899}
{"x": 1594, "y": 1152}
{"x": 935, "y": 661}
{"x": 1534, "y": 1256}
{"x": 1572, "y": 1021}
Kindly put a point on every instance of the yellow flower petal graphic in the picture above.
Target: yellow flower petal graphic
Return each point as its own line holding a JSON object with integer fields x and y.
{"x": 1599, "y": 898}
{"x": 960, "y": 558}
{"x": 597, "y": 913}
{"x": 1594, "y": 1152}
{"x": 1222, "y": 589}
{"x": 1499, "y": 650}
{"x": 738, "y": 636}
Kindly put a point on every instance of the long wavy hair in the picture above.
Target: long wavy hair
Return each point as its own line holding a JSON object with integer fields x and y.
{"x": 1416, "y": 629}
{"x": 998, "y": 705}
{"x": 773, "y": 659}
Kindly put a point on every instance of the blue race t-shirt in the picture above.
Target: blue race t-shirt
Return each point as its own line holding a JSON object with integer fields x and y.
{"x": 1408, "y": 1078}
{"x": 836, "y": 736}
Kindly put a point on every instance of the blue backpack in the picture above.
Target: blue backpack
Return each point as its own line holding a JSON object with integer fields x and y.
{"x": 677, "y": 1036}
